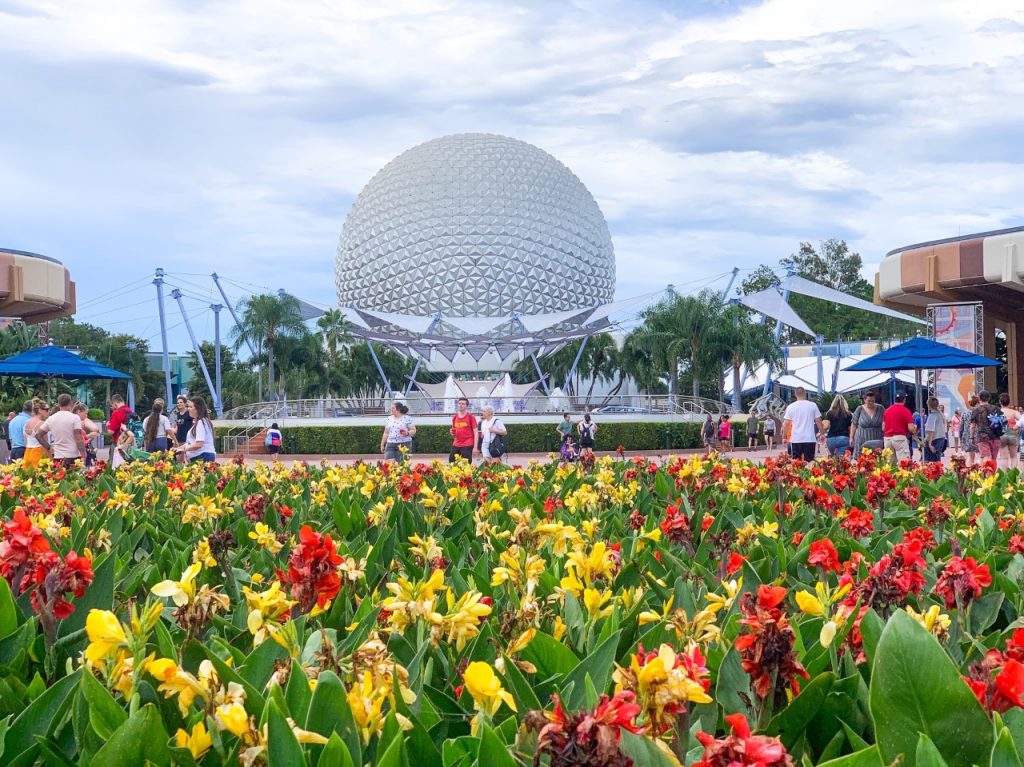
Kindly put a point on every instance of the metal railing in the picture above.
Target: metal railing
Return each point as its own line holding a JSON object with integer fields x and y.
{"x": 237, "y": 439}
{"x": 420, "y": 404}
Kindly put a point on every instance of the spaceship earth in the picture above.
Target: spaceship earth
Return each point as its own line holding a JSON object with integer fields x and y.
{"x": 475, "y": 225}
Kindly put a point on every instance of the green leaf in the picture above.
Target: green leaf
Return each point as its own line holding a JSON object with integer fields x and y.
{"x": 984, "y": 612}
{"x": 791, "y": 722}
{"x": 99, "y": 596}
{"x": 297, "y": 692}
{"x": 915, "y": 688}
{"x": 643, "y": 751}
{"x": 927, "y": 754}
{"x": 871, "y": 627}
{"x": 335, "y": 754}
{"x": 329, "y": 713}
{"x": 868, "y": 757}
{"x": 105, "y": 715}
{"x": 8, "y": 612}
{"x": 550, "y": 656}
{"x": 1014, "y": 721}
{"x": 35, "y": 720}
{"x": 598, "y": 665}
{"x": 392, "y": 756}
{"x": 520, "y": 688}
{"x": 140, "y": 740}
{"x": 1004, "y": 752}
{"x": 283, "y": 749}
{"x": 733, "y": 688}
{"x": 493, "y": 753}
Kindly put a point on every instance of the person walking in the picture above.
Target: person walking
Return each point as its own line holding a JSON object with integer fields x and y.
{"x": 968, "y": 439}
{"x": 5, "y": 433}
{"x": 16, "y": 431}
{"x": 157, "y": 430}
{"x": 274, "y": 440}
{"x": 866, "y": 427}
{"x": 588, "y": 433}
{"x": 90, "y": 431}
{"x": 798, "y": 424}
{"x": 954, "y": 428}
{"x": 1009, "y": 442}
{"x": 708, "y": 434}
{"x": 836, "y": 425}
{"x": 463, "y": 431}
{"x": 182, "y": 420}
{"x": 753, "y": 427}
{"x": 396, "y": 441}
{"x": 65, "y": 429}
{"x": 769, "y": 432}
{"x": 898, "y": 427}
{"x": 987, "y": 426}
{"x": 199, "y": 444}
{"x": 36, "y": 449}
{"x": 935, "y": 428}
{"x": 493, "y": 443}
{"x": 120, "y": 414}
{"x": 564, "y": 428}
{"x": 724, "y": 434}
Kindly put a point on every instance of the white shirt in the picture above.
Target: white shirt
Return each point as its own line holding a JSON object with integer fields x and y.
{"x": 486, "y": 435}
{"x": 802, "y": 414}
{"x": 165, "y": 425}
{"x": 201, "y": 432}
{"x": 63, "y": 426}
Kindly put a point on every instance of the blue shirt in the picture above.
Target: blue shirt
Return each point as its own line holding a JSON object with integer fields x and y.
{"x": 17, "y": 429}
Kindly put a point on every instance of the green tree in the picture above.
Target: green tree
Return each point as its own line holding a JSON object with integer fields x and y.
{"x": 263, "y": 320}
{"x": 833, "y": 265}
{"x": 678, "y": 329}
{"x": 739, "y": 341}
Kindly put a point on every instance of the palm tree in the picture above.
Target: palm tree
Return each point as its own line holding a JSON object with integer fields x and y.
{"x": 679, "y": 329}
{"x": 741, "y": 342}
{"x": 335, "y": 330}
{"x": 263, "y": 319}
{"x": 600, "y": 360}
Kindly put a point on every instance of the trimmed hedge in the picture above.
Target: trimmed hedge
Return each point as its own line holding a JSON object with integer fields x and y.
{"x": 522, "y": 438}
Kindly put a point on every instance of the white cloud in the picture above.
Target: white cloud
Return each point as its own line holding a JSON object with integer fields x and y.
{"x": 235, "y": 135}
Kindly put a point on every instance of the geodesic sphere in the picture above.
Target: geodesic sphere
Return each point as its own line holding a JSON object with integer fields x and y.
{"x": 475, "y": 225}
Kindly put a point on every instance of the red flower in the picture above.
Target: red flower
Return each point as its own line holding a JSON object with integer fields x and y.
{"x": 823, "y": 553}
{"x": 54, "y": 577}
{"x": 997, "y": 682}
{"x": 766, "y": 649}
{"x": 587, "y": 737}
{"x": 858, "y": 522}
{"x": 254, "y": 507}
{"x": 676, "y": 527}
{"x": 962, "y": 581}
{"x": 735, "y": 563}
{"x": 741, "y": 748}
{"x": 312, "y": 576}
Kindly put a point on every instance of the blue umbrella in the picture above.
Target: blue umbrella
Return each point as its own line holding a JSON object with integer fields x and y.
{"x": 923, "y": 354}
{"x": 54, "y": 362}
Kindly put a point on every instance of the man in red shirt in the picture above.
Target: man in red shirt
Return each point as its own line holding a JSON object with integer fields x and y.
{"x": 120, "y": 413}
{"x": 463, "y": 433}
{"x": 897, "y": 427}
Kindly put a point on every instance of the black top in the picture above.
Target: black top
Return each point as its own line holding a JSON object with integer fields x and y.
{"x": 838, "y": 424}
{"x": 183, "y": 422}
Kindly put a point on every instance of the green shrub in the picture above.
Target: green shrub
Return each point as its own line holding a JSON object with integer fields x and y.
{"x": 522, "y": 438}
{"x": 96, "y": 414}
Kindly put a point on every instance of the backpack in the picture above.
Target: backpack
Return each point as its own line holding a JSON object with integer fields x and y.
{"x": 134, "y": 424}
{"x": 273, "y": 439}
{"x": 497, "y": 447}
{"x": 996, "y": 422}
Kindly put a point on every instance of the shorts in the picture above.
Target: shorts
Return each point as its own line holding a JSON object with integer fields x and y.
{"x": 17, "y": 453}
{"x": 204, "y": 458}
{"x": 988, "y": 449}
{"x": 67, "y": 463}
{"x": 838, "y": 445}
{"x": 802, "y": 451}
{"x": 33, "y": 455}
{"x": 465, "y": 452}
{"x": 900, "y": 447}
{"x": 1010, "y": 439}
{"x": 273, "y": 449}
{"x": 393, "y": 451}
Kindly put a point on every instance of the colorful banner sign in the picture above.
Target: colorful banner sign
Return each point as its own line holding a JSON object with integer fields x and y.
{"x": 957, "y": 325}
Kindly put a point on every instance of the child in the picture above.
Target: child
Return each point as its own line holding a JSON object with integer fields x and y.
{"x": 569, "y": 451}
{"x": 125, "y": 450}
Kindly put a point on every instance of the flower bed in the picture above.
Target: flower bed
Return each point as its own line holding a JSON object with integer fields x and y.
{"x": 700, "y": 612}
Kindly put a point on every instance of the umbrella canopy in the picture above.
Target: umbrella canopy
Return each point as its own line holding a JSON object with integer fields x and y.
{"x": 923, "y": 354}
{"x": 54, "y": 362}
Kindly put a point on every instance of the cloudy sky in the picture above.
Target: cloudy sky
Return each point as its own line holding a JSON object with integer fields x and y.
{"x": 234, "y": 135}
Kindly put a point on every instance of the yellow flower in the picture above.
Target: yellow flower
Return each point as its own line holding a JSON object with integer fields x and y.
{"x": 559, "y": 628}
{"x": 411, "y": 601}
{"x": 233, "y": 718}
{"x": 934, "y": 620}
{"x": 181, "y": 592}
{"x": 828, "y": 633}
{"x": 106, "y": 635}
{"x": 365, "y": 702}
{"x": 462, "y": 622}
{"x": 521, "y": 642}
{"x": 266, "y": 537}
{"x": 809, "y": 603}
{"x": 265, "y": 611}
{"x": 202, "y": 554}
{"x": 198, "y": 743}
{"x": 485, "y": 688}
{"x": 594, "y": 601}
{"x": 175, "y": 681}
{"x": 717, "y": 602}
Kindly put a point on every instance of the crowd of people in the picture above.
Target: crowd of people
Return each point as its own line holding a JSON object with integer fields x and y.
{"x": 67, "y": 435}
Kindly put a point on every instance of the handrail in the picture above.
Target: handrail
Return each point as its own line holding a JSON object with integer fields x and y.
{"x": 420, "y": 404}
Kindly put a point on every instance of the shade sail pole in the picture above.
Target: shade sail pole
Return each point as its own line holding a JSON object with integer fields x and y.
{"x": 380, "y": 369}
{"x": 176, "y": 295}
{"x": 159, "y": 282}
{"x": 216, "y": 346}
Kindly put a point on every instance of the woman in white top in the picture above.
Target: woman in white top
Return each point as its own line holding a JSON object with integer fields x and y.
{"x": 199, "y": 445}
{"x": 490, "y": 427}
{"x": 157, "y": 430}
{"x": 396, "y": 441}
